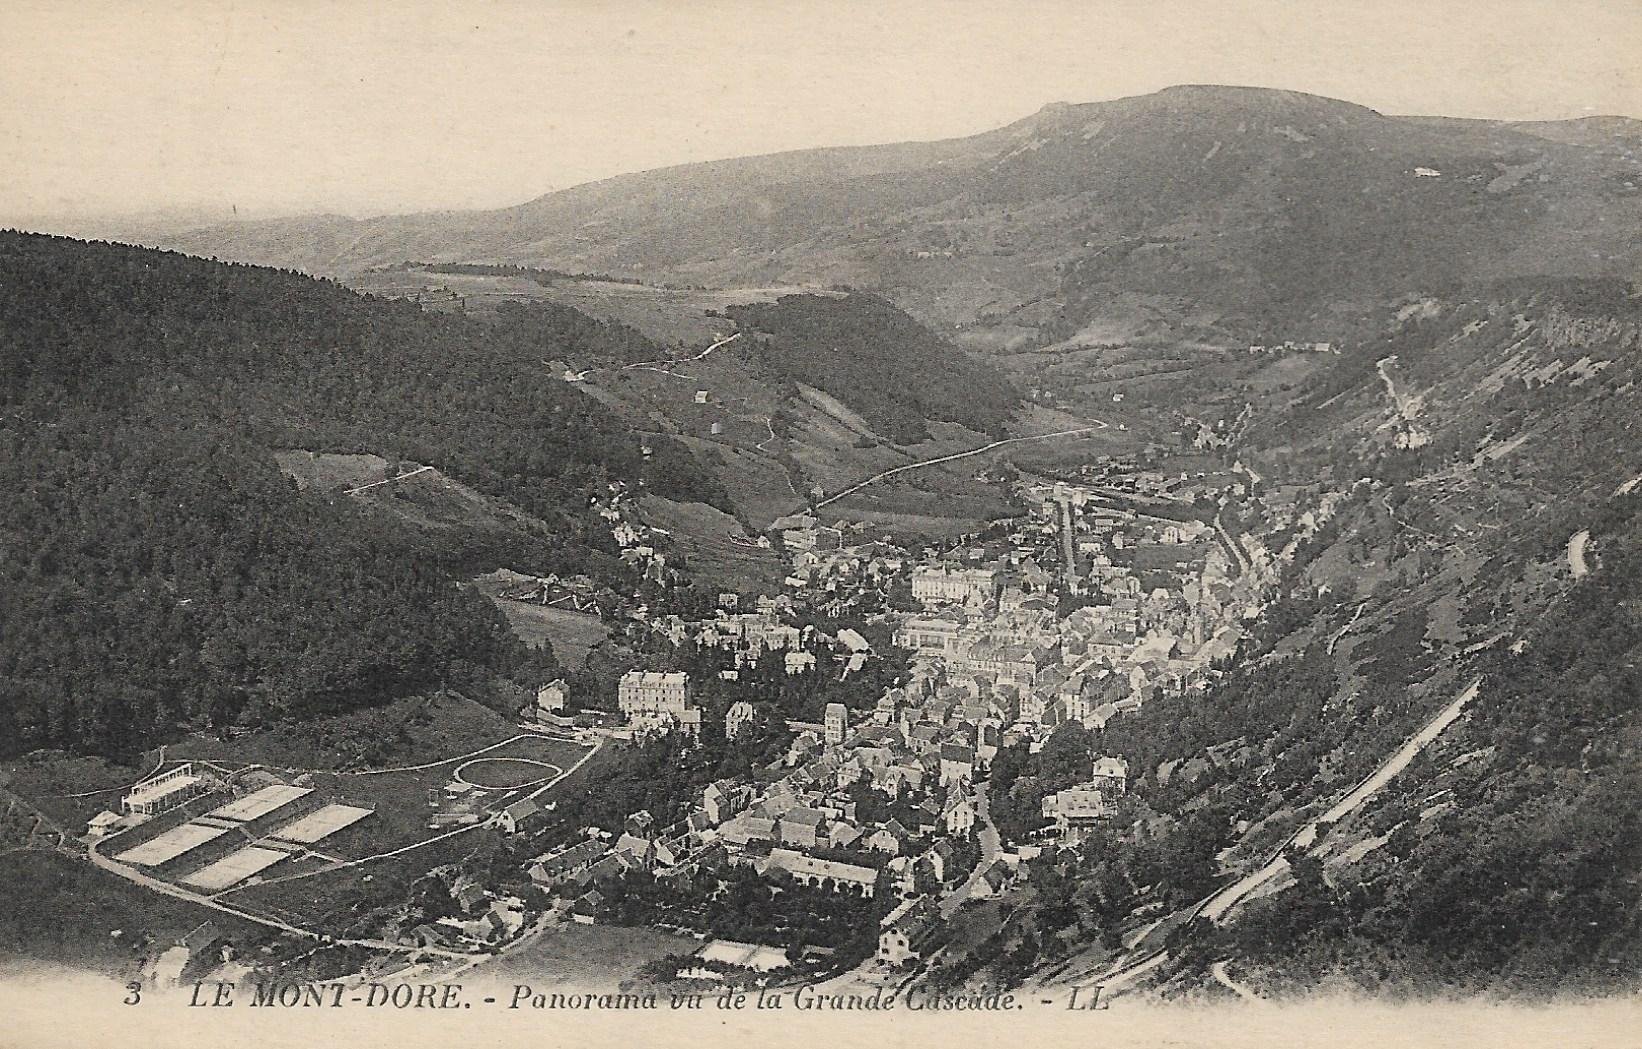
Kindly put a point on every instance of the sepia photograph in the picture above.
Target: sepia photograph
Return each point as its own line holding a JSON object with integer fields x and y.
{"x": 575, "y": 523}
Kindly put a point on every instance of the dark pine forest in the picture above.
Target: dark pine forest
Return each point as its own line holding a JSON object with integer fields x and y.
{"x": 159, "y": 573}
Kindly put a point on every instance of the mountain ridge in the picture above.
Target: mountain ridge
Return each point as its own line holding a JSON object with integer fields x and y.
{"x": 1229, "y": 212}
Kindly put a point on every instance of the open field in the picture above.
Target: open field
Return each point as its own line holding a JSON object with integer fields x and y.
{"x": 327, "y": 896}
{"x": 756, "y": 481}
{"x": 400, "y": 799}
{"x": 410, "y": 731}
{"x": 328, "y": 471}
{"x": 667, "y": 315}
{"x": 584, "y": 956}
{"x": 505, "y": 773}
{"x": 704, "y": 534}
{"x": 572, "y": 634}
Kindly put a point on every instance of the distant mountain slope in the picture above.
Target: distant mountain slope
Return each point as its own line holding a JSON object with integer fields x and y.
{"x": 1237, "y": 211}
{"x": 159, "y": 570}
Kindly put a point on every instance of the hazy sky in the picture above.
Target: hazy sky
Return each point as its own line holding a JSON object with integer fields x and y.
{"x": 369, "y": 106}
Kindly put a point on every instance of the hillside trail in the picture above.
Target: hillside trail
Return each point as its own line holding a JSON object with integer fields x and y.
{"x": 1218, "y": 904}
{"x": 682, "y": 360}
{"x": 390, "y": 480}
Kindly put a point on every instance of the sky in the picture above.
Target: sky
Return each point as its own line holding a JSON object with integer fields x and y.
{"x": 270, "y": 107}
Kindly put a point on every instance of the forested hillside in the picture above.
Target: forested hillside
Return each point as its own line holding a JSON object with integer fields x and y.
{"x": 159, "y": 571}
{"x": 1528, "y": 874}
{"x": 1510, "y": 860}
{"x": 1466, "y": 445}
{"x": 897, "y": 374}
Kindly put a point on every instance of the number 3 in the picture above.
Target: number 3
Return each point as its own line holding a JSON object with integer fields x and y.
{"x": 136, "y": 994}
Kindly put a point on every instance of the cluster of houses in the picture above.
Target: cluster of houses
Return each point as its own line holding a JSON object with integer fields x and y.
{"x": 638, "y": 544}
{"x": 832, "y": 562}
{"x": 879, "y": 801}
{"x": 801, "y": 820}
{"x": 1038, "y": 669}
{"x": 1076, "y": 810}
{"x": 573, "y": 874}
{"x": 747, "y": 636}
{"x": 807, "y": 823}
{"x": 479, "y": 917}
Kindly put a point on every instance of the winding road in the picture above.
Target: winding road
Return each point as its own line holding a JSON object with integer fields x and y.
{"x": 936, "y": 461}
{"x": 1220, "y": 903}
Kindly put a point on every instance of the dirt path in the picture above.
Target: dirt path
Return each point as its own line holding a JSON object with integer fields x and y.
{"x": 655, "y": 365}
{"x": 390, "y": 480}
{"x": 433, "y": 764}
{"x": 1218, "y": 971}
{"x": 1576, "y": 553}
{"x": 105, "y": 790}
{"x": 550, "y": 784}
{"x": 769, "y": 424}
{"x": 991, "y": 846}
{"x": 1343, "y": 631}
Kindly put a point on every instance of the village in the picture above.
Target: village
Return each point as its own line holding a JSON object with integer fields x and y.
{"x": 861, "y": 708}
{"x": 1108, "y": 589}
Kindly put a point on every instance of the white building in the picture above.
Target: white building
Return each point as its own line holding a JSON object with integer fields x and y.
{"x": 836, "y": 723}
{"x": 958, "y": 816}
{"x": 551, "y": 697}
{"x": 1111, "y": 775}
{"x": 649, "y": 693}
{"x": 937, "y": 585}
{"x": 929, "y": 635}
{"x": 166, "y": 791}
{"x": 908, "y": 933}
